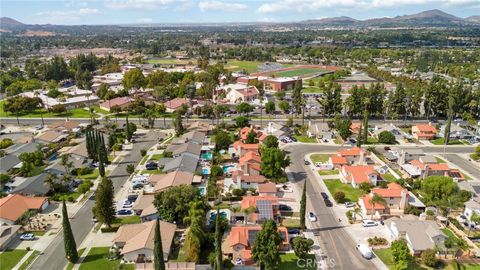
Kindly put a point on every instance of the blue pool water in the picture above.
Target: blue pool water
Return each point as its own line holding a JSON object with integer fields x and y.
{"x": 203, "y": 191}
{"x": 53, "y": 157}
{"x": 226, "y": 167}
{"x": 206, "y": 156}
{"x": 205, "y": 171}
{"x": 213, "y": 215}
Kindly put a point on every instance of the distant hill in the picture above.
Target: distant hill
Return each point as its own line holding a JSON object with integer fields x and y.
{"x": 432, "y": 17}
{"x": 7, "y": 22}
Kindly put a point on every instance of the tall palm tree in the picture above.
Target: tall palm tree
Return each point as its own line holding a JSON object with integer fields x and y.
{"x": 36, "y": 93}
{"x": 51, "y": 181}
{"x": 375, "y": 200}
{"x": 248, "y": 212}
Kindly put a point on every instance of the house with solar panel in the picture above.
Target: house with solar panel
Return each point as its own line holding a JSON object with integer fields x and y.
{"x": 266, "y": 208}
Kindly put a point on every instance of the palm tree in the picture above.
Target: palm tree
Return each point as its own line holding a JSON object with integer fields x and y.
{"x": 248, "y": 211}
{"x": 235, "y": 210}
{"x": 376, "y": 199}
{"x": 357, "y": 211}
{"x": 36, "y": 93}
{"x": 51, "y": 181}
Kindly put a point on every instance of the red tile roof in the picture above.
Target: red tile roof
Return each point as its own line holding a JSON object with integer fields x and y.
{"x": 251, "y": 201}
{"x": 359, "y": 174}
{"x": 355, "y": 151}
{"x": 269, "y": 187}
{"x": 118, "y": 101}
{"x": 250, "y": 157}
{"x": 426, "y": 128}
{"x": 432, "y": 167}
{"x": 338, "y": 160}
{"x": 175, "y": 103}
{"x": 366, "y": 201}
{"x": 392, "y": 190}
{"x": 13, "y": 206}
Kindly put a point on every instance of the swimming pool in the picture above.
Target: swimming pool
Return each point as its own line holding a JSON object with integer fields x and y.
{"x": 206, "y": 171}
{"x": 227, "y": 167}
{"x": 203, "y": 191}
{"x": 206, "y": 156}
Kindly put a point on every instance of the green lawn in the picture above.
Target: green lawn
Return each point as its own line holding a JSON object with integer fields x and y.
{"x": 439, "y": 160}
{"x": 37, "y": 233}
{"x": 97, "y": 259}
{"x": 319, "y": 157}
{"x": 305, "y": 139}
{"x": 70, "y": 265}
{"x": 351, "y": 194}
{"x": 441, "y": 141}
{"x": 311, "y": 89}
{"x": 144, "y": 160}
{"x": 372, "y": 140}
{"x": 249, "y": 66}
{"x": 385, "y": 254}
{"x": 37, "y": 170}
{"x": 74, "y": 113}
{"x": 128, "y": 220}
{"x": 156, "y": 157}
{"x": 389, "y": 177}
{"x": 291, "y": 223}
{"x": 98, "y": 110}
{"x": 329, "y": 172}
{"x": 65, "y": 196}
{"x": 10, "y": 258}
{"x": 450, "y": 234}
{"x": 29, "y": 260}
{"x": 171, "y": 61}
{"x": 151, "y": 172}
{"x": 289, "y": 261}
{"x": 90, "y": 176}
{"x": 298, "y": 72}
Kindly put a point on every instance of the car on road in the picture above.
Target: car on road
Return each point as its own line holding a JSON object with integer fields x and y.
{"x": 365, "y": 251}
{"x": 369, "y": 223}
{"x": 349, "y": 204}
{"x": 324, "y": 195}
{"x": 284, "y": 207}
{"x": 328, "y": 203}
{"x": 27, "y": 237}
{"x": 312, "y": 217}
{"x": 306, "y": 162}
{"x": 293, "y": 231}
{"x": 387, "y": 148}
{"x": 124, "y": 212}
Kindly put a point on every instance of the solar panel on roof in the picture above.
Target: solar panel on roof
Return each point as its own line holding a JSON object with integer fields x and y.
{"x": 265, "y": 211}
{"x": 252, "y": 235}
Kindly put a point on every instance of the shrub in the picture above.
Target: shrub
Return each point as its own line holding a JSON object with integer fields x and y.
{"x": 143, "y": 152}
{"x": 85, "y": 186}
{"x": 238, "y": 192}
{"x": 429, "y": 257}
{"x": 109, "y": 230}
{"x": 339, "y": 196}
{"x": 386, "y": 137}
{"x": 377, "y": 241}
{"x": 84, "y": 171}
{"x": 5, "y": 143}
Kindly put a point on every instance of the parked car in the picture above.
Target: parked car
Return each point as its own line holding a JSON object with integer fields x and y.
{"x": 306, "y": 162}
{"x": 284, "y": 207}
{"x": 27, "y": 237}
{"x": 349, "y": 204}
{"x": 368, "y": 223}
{"x": 132, "y": 197}
{"x": 324, "y": 195}
{"x": 328, "y": 203}
{"x": 312, "y": 217}
{"x": 151, "y": 166}
{"x": 365, "y": 251}
{"x": 293, "y": 231}
{"x": 124, "y": 212}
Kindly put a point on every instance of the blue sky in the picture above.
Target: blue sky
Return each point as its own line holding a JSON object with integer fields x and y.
{"x": 186, "y": 11}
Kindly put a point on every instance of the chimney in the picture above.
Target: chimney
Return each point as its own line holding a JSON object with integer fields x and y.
{"x": 426, "y": 171}
{"x": 239, "y": 180}
{"x": 403, "y": 199}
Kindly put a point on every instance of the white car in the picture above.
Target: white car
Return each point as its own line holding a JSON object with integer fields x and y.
{"x": 312, "y": 217}
{"x": 369, "y": 223}
{"x": 349, "y": 204}
{"x": 27, "y": 237}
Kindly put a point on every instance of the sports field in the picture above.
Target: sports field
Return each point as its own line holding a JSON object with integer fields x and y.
{"x": 298, "y": 72}
{"x": 169, "y": 61}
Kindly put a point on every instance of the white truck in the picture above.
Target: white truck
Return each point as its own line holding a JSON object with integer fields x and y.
{"x": 365, "y": 251}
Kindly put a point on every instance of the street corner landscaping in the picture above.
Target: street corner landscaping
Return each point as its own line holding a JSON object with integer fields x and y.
{"x": 319, "y": 158}
{"x": 305, "y": 139}
{"x": 351, "y": 194}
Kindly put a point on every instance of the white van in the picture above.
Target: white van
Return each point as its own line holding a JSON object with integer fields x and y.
{"x": 365, "y": 251}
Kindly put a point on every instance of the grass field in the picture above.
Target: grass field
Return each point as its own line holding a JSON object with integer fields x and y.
{"x": 29, "y": 260}
{"x": 74, "y": 113}
{"x": 289, "y": 261}
{"x": 351, "y": 194}
{"x": 298, "y": 72}
{"x": 329, "y": 172}
{"x": 10, "y": 258}
{"x": 441, "y": 141}
{"x": 305, "y": 139}
{"x": 169, "y": 61}
{"x": 319, "y": 158}
{"x": 311, "y": 90}
{"x": 385, "y": 255}
{"x": 97, "y": 258}
{"x": 90, "y": 176}
{"x": 249, "y": 66}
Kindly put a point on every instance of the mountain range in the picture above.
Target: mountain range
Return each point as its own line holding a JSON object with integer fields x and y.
{"x": 429, "y": 18}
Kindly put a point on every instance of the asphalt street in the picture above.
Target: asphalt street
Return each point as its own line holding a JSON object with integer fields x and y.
{"x": 54, "y": 255}
{"x": 338, "y": 247}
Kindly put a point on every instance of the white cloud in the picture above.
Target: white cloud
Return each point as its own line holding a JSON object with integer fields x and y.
{"x": 63, "y": 16}
{"x": 306, "y": 5}
{"x": 89, "y": 11}
{"x": 137, "y": 4}
{"x": 144, "y": 20}
{"x": 217, "y": 5}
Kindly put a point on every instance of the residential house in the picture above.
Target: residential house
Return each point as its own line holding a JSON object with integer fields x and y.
{"x": 161, "y": 182}
{"x": 190, "y": 148}
{"x": 395, "y": 196}
{"x": 199, "y": 126}
{"x": 121, "y": 102}
{"x": 175, "y": 104}
{"x": 399, "y": 136}
{"x": 241, "y": 148}
{"x": 51, "y": 136}
{"x": 145, "y": 208}
{"x": 456, "y": 132}
{"x": 240, "y": 179}
{"x": 183, "y": 163}
{"x": 472, "y": 207}
{"x": 319, "y": 130}
{"x": 431, "y": 169}
{"x": 238, "y": 244}
{"x": 267, "y": 189}
{"x": 196, "y": 137}
{"x": 58, "y": 169}
{"x": 266, "y": 208}
{"x": 355, "y": 175}
{"x": 65, "y": 126}
{"x": 236, "y": 93}
{"x": 13, "y": 206}
{"x": 407, "y": 155}
{"x": 136, "y": 241}
{"x": 424, "y": 131}
{"x": 30, "y": 186}
{"x": 276, "y": 130}
{"x": 355, "y": 155}
{"x": 419, "y": 234}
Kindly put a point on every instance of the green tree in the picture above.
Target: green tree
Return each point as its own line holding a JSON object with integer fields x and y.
{"x": 302, "y": 246}
{"x": 134, "y": 79}
{"x": 265, "y": 248}
{"x": 386, "y": 137}
{"x": 178, "y": 125}
{"x": 446, "y": 135}
{"x": 339, "y": 196}
{"x": 130, "y": 168}
{"x": 344, "y": 128}
{"x": 218, "y": 242}
{"x": 242, "y": 121}
{"x": 251, "y": 137}
{"x": 401, "y": 254}
{"x": 171, "y": 203}
{"x": 222, "y": 140}
{"x": 104, "y": 205}
{"x": 244, "y": 108}
{"x": 303, "y": 206}
{"x": 270, "y": 142}
{"x": 273, "y": 163}
{"x": 68, "y": 240}
{"x": 270, "y": 107}
{"x": 376, "y": 200}
{"x": 158, "y": 260}
{"x": 429, "y": 257}
{"x": 284, "y": 106}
